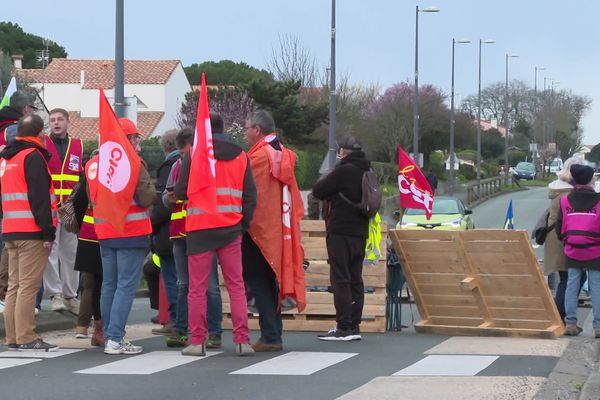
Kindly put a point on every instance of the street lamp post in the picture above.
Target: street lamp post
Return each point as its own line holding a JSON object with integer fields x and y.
{"x": 536, "y": 101}
{"x": 332, "y": 93}
{"x": 535, "y": 81}
{"x": 506, "y": 130}
{"x": 451, "y": 188}
{"x": 416, "y": 99}
{"x": 119, "y": 62}
{"x": 486, "y": 41}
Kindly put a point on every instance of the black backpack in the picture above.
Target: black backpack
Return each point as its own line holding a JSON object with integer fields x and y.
{"x": 372, "y": 197}
{"x": 542, "y": 229}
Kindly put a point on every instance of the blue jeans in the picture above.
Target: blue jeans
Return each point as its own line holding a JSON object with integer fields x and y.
{"x": 121, "y": 272}
{"x": 168, "y": 271}
{"x": 572, "y": 294}
{"x": 214, "y": 307}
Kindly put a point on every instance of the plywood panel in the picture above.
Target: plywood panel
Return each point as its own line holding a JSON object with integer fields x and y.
{"x": 481, "y": 282}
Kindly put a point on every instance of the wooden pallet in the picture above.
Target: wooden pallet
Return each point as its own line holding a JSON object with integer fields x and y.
{"x": 319, "y": 314}
{"x": 481, "y": 282}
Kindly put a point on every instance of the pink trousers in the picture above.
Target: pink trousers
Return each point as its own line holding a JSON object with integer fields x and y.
{"x": 199, "y": 266}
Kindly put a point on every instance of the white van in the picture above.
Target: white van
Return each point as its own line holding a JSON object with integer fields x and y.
{"x": 555, "y": 165}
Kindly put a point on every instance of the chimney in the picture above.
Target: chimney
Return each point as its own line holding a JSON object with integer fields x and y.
{"x": 17, "y": 61}
{"x": 82, "y": 78}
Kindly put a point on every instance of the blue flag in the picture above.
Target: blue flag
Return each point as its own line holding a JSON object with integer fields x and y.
{"x": 508, "y": 221}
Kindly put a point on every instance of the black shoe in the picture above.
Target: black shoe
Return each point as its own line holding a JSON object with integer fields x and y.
{"x": 339, "y": 335}
{"x": 38, "y": 345}
{"x": 154, "y": 320}
{"x": 12, "y": 347}
{"x": 356, "y": 333}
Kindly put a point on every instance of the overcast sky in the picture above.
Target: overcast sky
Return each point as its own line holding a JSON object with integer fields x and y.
{"x": 375, "y": 39}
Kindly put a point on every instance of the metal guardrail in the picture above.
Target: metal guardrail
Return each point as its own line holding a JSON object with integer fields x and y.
{"x": 486, "y": 188}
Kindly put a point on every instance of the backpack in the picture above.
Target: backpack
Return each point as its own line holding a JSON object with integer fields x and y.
{"x": 372, "y": 197}
{"x": 541, "y": 229}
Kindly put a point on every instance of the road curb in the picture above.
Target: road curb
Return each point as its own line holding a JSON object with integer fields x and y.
{"x": 591, "y": 387}
{"x": 48, "y": 321}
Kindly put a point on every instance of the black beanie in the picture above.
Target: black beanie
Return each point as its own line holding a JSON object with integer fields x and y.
{"x": 582, "y": 174}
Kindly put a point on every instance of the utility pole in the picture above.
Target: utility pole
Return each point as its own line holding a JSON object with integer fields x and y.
{"x": 119, "y": 61}
{"x": 332, "y": 94}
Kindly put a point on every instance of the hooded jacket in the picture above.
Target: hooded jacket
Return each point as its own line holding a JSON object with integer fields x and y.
{"x": 161, "y": 215}
{"x": 209, "y": 239}
{"x": 346, "y": 178}
{"x": 554, "y": 256}
{"x": 38, "y": 188}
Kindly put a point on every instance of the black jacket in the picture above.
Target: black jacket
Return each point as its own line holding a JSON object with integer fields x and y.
{"x": 161, "y": 215}
{"x": 346, "y": 178}
{"x": 38, "y": 184}
{"x": 8, "y": 117}
{"x": 210, "y": 239}
{"x": 581, "y": 199}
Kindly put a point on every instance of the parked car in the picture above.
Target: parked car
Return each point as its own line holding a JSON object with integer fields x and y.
{"x": 449, "y": 213}
{"x": 524, "y": 170}
{"x": 554, "y": 166}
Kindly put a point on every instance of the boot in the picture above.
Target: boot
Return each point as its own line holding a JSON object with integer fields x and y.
{"x": 98, "y": 335}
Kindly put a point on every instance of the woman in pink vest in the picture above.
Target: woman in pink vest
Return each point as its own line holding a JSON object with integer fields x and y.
{"x": 578, "y": 226}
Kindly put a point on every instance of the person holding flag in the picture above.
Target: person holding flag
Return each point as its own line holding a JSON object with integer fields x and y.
{"x": 121, "y": 192}
{"x": 216, "y": 180}
{"x": 272, "y": 252}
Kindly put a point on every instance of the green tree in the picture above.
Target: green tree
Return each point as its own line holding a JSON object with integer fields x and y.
{"x": 594, "y": 155}
{"x": 225, "y": 73}
{"x": 13, "y": 40}
{"x": 492, "y": 144}
{"x": 297, "y": 120}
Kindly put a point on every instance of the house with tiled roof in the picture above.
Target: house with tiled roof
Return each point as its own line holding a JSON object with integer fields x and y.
{"x": 154, "y": 91}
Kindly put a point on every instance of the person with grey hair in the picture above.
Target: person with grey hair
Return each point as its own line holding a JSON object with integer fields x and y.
{"x": 554, "y": 257}
{"x": 161, "y": 218}
{"x": 20, "y": 104}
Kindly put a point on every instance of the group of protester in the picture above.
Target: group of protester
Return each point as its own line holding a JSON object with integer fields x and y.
{"x": 573, "y": 241}
{"x": 50, "y": 233}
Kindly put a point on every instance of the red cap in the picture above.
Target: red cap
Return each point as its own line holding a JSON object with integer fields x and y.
{"x": 129, "y": 127}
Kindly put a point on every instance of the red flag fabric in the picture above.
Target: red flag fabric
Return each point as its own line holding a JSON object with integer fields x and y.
{"x": 202, "y": 185}
{"x": 118, "y": 169}
{"x": 415, "y": 191}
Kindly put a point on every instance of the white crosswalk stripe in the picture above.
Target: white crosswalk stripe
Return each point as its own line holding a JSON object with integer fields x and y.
{"x": 15, "y": 362}
{"x": 38, "y": 354}
{"x": 448, "y": 365}
{"x": 144, "y": 364}
{"x": 295, "y": 363}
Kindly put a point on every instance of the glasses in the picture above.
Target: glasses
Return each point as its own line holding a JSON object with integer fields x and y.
{"x": 249, "y": 127}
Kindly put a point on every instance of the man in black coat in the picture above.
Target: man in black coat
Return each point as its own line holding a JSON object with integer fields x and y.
{"x": 347, "y": 232}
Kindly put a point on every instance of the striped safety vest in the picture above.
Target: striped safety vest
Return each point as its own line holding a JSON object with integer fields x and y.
{"x": 17, "y": 214}
{"x": 137, "y": 220}
{"x": 178, "y": 212}
{"x": 87, "y": 231}
{"x": 65, "y": 176}
{"x": 230, "y": 188}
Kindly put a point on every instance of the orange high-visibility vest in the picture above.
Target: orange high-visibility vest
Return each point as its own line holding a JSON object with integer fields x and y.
{"x": 137, "y": 220}
{"x": 230, "y": 188}
{"x": 66, "y": 175}
{"x": 17, "y": 214}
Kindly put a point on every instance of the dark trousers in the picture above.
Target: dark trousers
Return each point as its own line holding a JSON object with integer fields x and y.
{"x": 559, "y": 297}
{"x": 346, "y": 255}
{"x": 90, "y": 299}
{"x": 152, "y": 275}
{"x": 260, "y": 279}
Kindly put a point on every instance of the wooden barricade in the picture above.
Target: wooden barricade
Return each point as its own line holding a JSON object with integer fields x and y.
{"x": 479, "y": 282}
{"x": 319, "y": 314}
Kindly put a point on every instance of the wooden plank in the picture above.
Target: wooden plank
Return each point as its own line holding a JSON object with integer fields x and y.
{"x": 479, "y": 235}
{"x": 521, "y": 313}
{"x": 321, "y": 267}
{"x": 411, "y": 247}
{"x": 407, "y": 234}
{"x": 450, "y": 266}
{"x": 492, "y": 247}
{"x": 452, "y": 311}
{"x": 503, "y": 301}
{"x": 523, "y": 324}
{"x": 449, "y": 300}
{"x": 314, "y": 279}
{"x": 376, "y": 325}
{"x": 427, "y": 289}
{"x": 454, "y": 321}
{"x": 323, "y": 309}
{"x": 438, "y": 278}
{"x": 460, "y": 330}
{"x": 495, "y": 262}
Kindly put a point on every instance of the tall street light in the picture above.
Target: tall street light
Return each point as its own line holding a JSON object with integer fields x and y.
{"x": 535, "y": 81}
{"x": 332, "y": 94}
{"x": 451, "y": 188}
{"x": 506, "y": 130}
{"x": 416, "y": 99}
{"x": 481, "y": 41}
{"x": 119, "y": 62}
{"x": 536, "y": 103}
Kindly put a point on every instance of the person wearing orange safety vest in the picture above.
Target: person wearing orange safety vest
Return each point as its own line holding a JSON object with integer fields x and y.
{"x": 218, "y": 233}
{"x": 122, "y": 252}
{"x": 89, "y": 263}
{"x": 61, "y": 282}
{"x": 29, "y": 212}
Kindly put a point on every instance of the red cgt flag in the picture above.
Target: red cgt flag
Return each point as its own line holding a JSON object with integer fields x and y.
{"x": 415, "y": 191}
{"x": 118, "y": 169}
{"x": 202, "y": 186}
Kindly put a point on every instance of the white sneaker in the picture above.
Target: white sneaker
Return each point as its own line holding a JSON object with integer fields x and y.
{"x": 58, "y": 303}
{"x": 122, "y": 347}
{"x": 37, "y": 311}
{"x": 1, "y": 306}
{"x": 72, "y": 305}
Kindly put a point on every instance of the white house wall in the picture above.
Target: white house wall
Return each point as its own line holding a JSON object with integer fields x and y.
{"x": 176, "y": 88}
{"x": 65, "y": 96}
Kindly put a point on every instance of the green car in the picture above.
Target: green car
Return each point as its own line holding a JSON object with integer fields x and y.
{"x": 449, "y": 214}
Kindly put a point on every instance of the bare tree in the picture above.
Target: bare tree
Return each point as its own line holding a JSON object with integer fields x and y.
{"x": 290, "y": 60}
